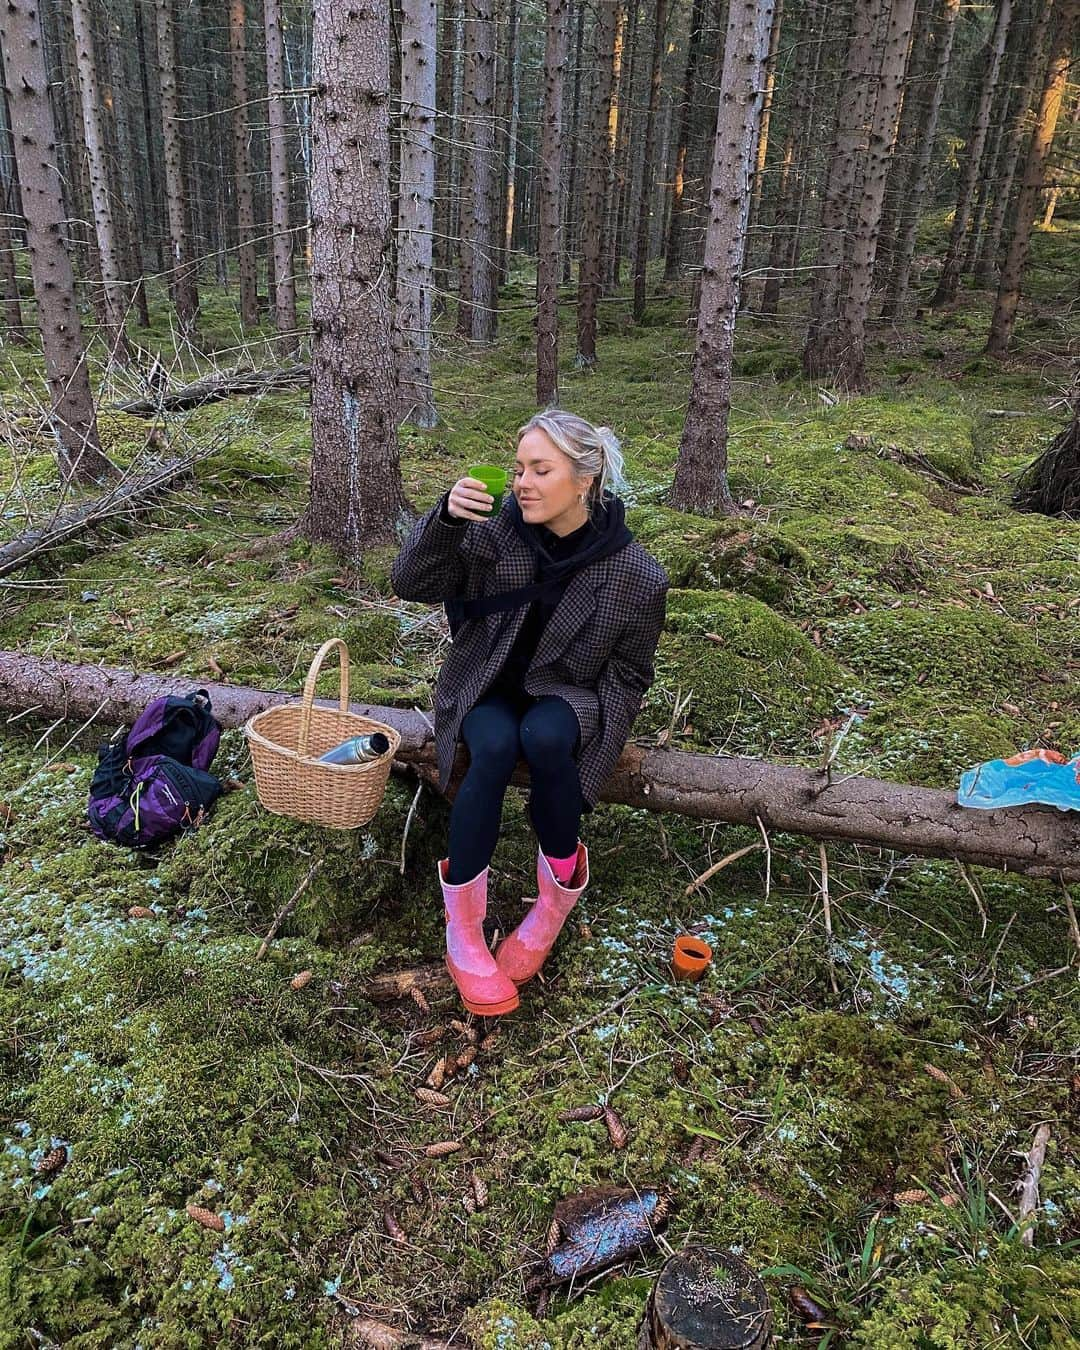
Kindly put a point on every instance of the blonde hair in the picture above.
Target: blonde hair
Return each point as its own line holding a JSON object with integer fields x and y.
{"x": 594, "y": 451}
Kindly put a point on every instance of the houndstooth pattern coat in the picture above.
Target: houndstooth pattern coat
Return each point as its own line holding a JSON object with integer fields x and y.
{"x": 596, "y": 651}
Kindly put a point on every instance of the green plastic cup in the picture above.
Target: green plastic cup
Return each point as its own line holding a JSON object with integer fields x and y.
{"x": 494, "y": 479}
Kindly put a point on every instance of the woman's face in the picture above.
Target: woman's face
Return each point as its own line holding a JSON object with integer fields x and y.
{"x": 546, "y": 486}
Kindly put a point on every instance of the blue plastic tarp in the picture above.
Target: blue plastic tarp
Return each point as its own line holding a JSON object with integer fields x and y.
{"x": 1041, "y": 776}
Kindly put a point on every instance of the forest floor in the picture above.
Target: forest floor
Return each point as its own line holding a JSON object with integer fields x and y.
{"x": 854, "y": 1112}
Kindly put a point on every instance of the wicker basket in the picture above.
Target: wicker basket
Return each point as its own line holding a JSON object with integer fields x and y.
{"x": 286, "y": 743}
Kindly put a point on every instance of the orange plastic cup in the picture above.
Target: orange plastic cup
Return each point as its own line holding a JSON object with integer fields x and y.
{"x": 691, "y": 957}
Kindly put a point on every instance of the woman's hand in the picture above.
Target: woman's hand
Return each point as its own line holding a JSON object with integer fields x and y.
{"x": 469, "y": 500}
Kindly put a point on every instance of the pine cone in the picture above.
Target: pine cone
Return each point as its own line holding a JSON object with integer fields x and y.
{"x": 394, "y": 1230}
{"x": 615, "y": 1128}
{"x": 466, "y": 1058}
{"x": 468, "y": 1201}
{"x": 206, "y": 1217}
{"x": 417, "y": 996}
{"x": 463, "y": 1029}
{"x": 300, "y": 979}
{"x": 490, "y": 1042}
{"x": 442, "y": 1149}
{"x": 437, "y": 1077}
{"x": 140, "y": 912}
{"x": 581, "y": 1113}
{"x": 680, "y": 1069}
{"x": 429, "y": 1037}
{"x": 431, "y": 1098}
{"x": 912, "y": 1197}
{"x": 51, "y": 1162}
{"x": 479, "y": 1189}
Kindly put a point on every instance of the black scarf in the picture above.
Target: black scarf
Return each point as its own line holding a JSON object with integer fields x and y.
{"x": 608, "y": 534}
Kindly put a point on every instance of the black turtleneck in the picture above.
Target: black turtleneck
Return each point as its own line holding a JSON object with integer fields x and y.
{"x": 558, "y": 548}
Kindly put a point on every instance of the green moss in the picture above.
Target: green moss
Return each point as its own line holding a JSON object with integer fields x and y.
{"x": 959, "y": 1307}
{"x": 752, "y": 674}
{"x": 729, "y": 554}
{"x": 961, "y": 652}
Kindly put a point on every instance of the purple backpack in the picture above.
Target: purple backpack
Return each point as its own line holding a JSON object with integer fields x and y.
{"x": 154, "y": 782}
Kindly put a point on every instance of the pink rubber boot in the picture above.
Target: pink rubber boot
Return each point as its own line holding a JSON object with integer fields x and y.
{"x": 484, "y": 989}
{"x": 527, "y": 947}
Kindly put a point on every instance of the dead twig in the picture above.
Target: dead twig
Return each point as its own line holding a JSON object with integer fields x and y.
{"x": 718, "y": 866}
{"x": 288, "y": 908}
{"x": 826, "y": 907}
{"x": 1074, "y": 927}
{"x": 977, "y": 895}
{"x": 1028, "y": 1185}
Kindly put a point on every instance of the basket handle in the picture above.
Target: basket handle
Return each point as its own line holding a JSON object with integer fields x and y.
{"x": 312, "y": 679}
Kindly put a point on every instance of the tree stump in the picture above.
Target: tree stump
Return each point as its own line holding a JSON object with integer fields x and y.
{"x": 706, "y": 1299}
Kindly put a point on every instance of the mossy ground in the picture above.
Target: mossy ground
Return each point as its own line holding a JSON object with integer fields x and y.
{"x": 178, "y": 1069}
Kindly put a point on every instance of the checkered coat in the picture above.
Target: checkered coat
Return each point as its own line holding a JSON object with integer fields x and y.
{"x": 596, "y": 651}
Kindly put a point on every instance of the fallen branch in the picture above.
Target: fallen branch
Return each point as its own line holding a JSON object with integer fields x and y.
{"x": 1038, "y": 841}
{"x": 287, "y": 908}
{"x": 1028, "y": 1185}
{"x": 129, "y": 496}
{"x": 214, "y": 387}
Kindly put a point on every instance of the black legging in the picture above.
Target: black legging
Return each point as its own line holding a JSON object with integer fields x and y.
{"x": 497, "y": 731}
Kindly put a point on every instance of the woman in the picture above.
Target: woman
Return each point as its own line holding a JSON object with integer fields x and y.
{"x": 555, "y": 612}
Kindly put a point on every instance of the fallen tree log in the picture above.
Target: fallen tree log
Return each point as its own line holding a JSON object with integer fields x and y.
{"x": 1035, "y": 840}
{"x": 214, "y": 387}
{"x": 128, "y": 496}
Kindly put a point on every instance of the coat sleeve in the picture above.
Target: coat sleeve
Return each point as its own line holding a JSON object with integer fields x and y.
{"x": 629, "y": 670}
{"x": 430, "y": 566}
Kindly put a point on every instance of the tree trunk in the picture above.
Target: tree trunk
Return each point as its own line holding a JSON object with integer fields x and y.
{"x": 10, "y": 220}
{"x": 1066, "y": 13}
{"x": 597, "y": 178}
{"x": 184, "y": 287}
{"x": 618, "y": 99}
{"x": 153, "y": 176}
{"x": 130, "y": 195}
{"x": 547, "y": 267}
{"x": 416, "y": 212}
{"x": 65, "y": 96}
{"x": 673, "y": 259}
{"x": 356, "y": 496}
{"x": 796, "y": 152}
{"x": 511, "y": 108}
{"x": 823, "y": 340}
{"x": 284, "y": 280}
{"x": 245, "y": 201}
{"x": 1032, "y": 840}
{"x": 1016, "y": 59}
{"x": 701, "y": 472}
{"x": 896, "y": 291}
{"x": 766, "y": 115}
{"x": 71, "y": 414}
{"x": 112, "y": 278}
{"x": 949, "y": 280}
{"x": 641, "y": 242}
{"x": 476, "y": 316}
{"x": 572, "y": 196}
{"x": 912, "y": 105}
{"x": 446, "y": 134}
{"x": 987, "y": 261}
{"x": 624, "y": 168}
{"x": 850, "y": 374}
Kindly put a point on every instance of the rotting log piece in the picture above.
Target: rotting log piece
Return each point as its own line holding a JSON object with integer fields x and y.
{"x": 1038, "y": 841}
